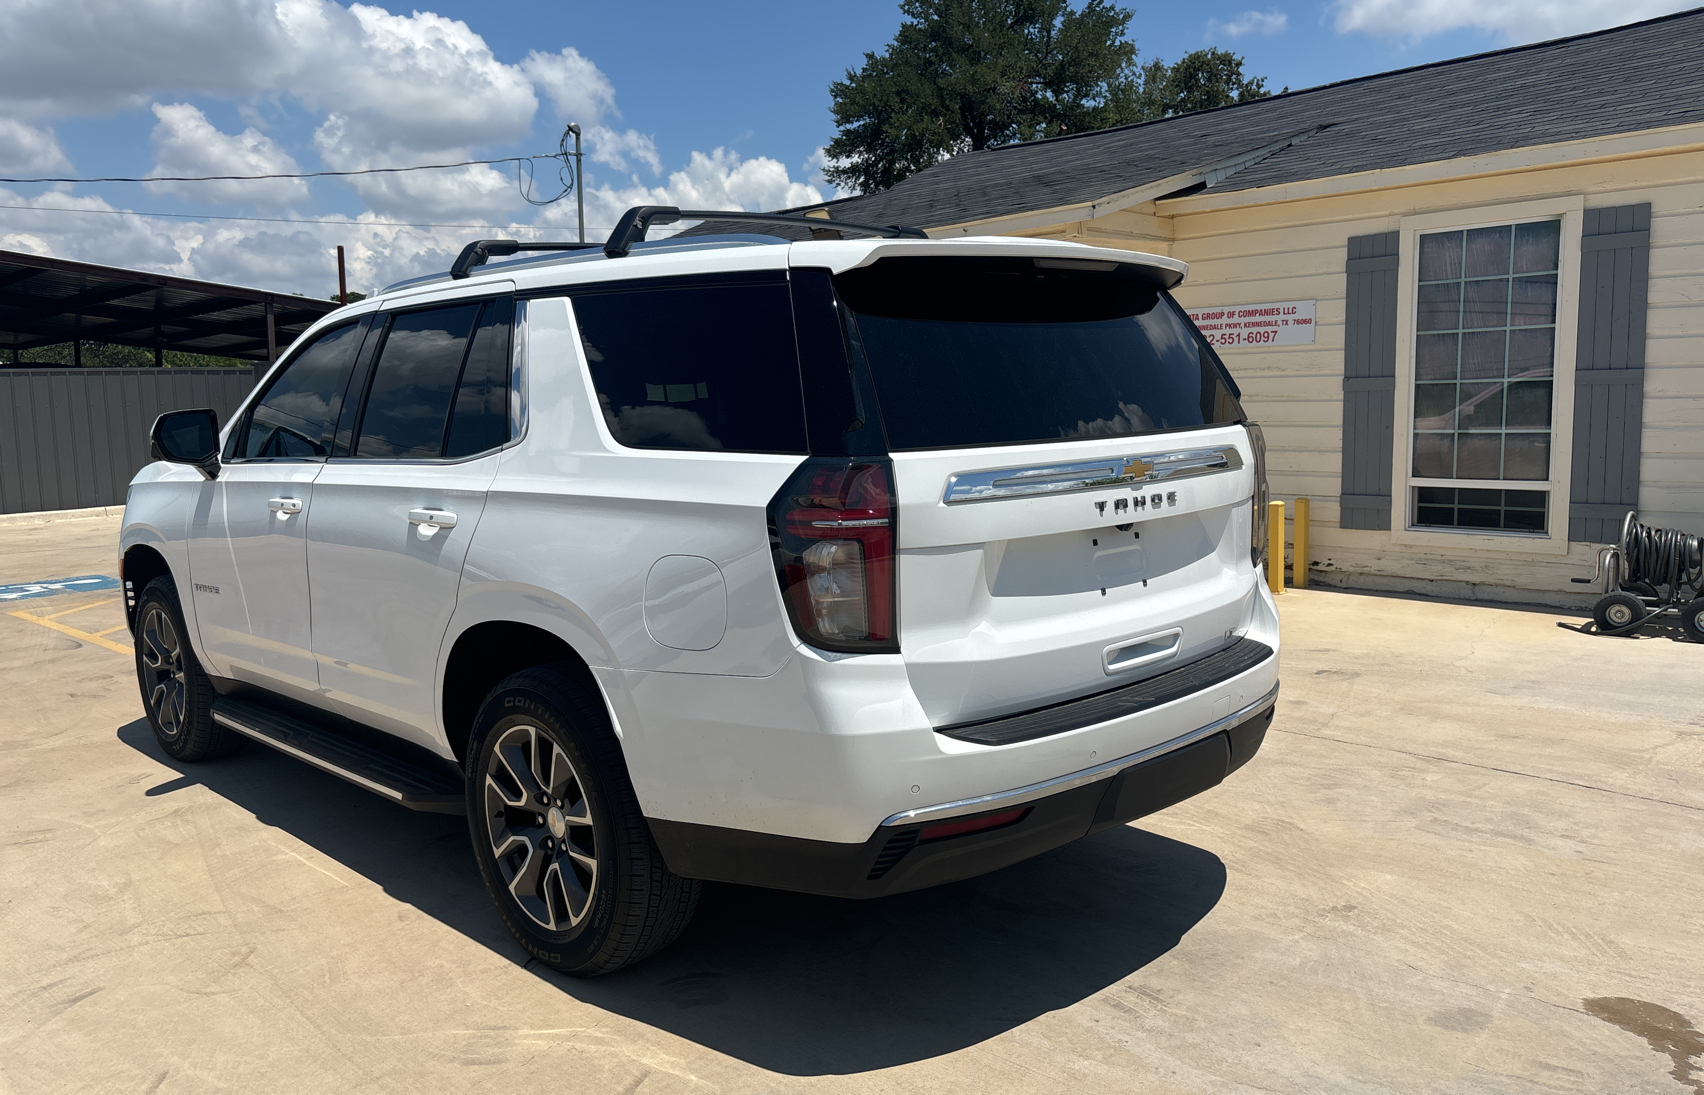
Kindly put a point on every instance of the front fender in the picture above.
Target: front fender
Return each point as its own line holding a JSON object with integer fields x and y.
{"x": 164, "y": 503}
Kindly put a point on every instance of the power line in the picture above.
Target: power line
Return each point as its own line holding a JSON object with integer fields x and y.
{"x": 285, "y": 220}
{"x": 567, "y": 174}
{"x": 299, "y": 175}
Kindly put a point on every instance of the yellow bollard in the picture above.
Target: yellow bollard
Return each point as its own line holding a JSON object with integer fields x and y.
{"x": 1299, "y": 554}
{"x": 1275, "y": 546}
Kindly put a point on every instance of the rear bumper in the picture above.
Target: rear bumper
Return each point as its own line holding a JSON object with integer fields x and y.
{"x": 897, "y": 858}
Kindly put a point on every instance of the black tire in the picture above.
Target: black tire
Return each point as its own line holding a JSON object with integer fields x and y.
{"x": 176, "y": 693}
{"x": 1618, "y": 613}
{"x": 578, "y": 880}
{"x": 1692, "y": 620}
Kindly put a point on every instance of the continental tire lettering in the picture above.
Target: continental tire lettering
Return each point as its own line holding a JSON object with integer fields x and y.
{"x": 542, "y": 954}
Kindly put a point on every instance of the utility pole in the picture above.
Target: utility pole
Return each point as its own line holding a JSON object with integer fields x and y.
{"x": 579, "y": 179}
{"x": 342, "y": 284}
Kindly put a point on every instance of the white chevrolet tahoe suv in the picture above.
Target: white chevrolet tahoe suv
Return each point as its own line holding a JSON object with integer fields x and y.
{"x": 839, "y": 565}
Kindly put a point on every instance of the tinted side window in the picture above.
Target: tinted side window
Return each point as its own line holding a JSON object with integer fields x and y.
{"x": 408, "y": 400}
{"x": 296, "y": 416}
{"x": 479, "y": 421}
{"x": 705, "y": 367}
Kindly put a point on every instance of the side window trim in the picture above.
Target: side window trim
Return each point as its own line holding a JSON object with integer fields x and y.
{"x": 507, "y": 309}
{"x": 485, "y": 309}
{"x": 517, "y": 397}
{"x": 365, "y": 368}
{"x": 355, "y": 391}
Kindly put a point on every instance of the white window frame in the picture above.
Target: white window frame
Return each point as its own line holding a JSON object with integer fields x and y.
{"x": 1554, "y": 540}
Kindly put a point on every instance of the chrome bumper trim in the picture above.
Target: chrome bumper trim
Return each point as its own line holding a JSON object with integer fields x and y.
{"x": 1021, "y": 795}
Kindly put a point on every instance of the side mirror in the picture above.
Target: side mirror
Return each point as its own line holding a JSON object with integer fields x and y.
{"x": 188, "y": 437}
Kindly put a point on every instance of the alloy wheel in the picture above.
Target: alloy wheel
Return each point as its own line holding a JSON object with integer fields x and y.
{"x": 164, "y": 674}
{"x": 541, "y": 829}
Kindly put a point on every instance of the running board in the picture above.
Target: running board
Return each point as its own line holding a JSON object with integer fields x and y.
{"x": 404, "y": 783}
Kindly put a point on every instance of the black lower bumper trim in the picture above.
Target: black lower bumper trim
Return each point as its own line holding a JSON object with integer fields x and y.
{"x": 1163, "y": 688}
{"x": 894, "y": 861}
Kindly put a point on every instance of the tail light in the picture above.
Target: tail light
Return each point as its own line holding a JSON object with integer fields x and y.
{"x": 1262, "y": 494}
{"x": 832, "y": 530}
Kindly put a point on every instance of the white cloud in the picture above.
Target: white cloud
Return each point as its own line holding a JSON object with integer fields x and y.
{"x": 90, "y": 57}
{"x": 1515, "y": 20}
{"x": 418, "y": 81}
{"x": 614, "y": 149}
{"x": 578, "y": 90}
{"x": 816, "y": 168}
{"x": 26, "y": 150}
{"x": 1266, "y": 23}
{"x": 715, "y": 180}
{"x": 381, "y": 90}
{"x": 187, "y": 144}
{"x": 286, "y": 257}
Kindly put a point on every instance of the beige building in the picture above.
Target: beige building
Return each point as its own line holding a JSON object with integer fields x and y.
{"x": 1466, "y": 301}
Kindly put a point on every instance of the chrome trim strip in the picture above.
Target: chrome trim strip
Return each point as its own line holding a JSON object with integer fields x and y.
{"x": 318, "y": 762}
{"x": 1054, "y": 786}
{"x": 1118, "y": 471}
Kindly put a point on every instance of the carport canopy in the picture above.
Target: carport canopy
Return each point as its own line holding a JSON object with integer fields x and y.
{"x": 48, "y": 301}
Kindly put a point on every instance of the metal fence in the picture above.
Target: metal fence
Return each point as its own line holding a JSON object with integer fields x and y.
{"x": 71, "y": 438}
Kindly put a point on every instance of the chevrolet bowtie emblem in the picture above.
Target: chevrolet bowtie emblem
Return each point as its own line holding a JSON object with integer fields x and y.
{"x": 1136, "y": 468}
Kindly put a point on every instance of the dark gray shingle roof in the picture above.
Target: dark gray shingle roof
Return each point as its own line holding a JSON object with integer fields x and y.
{"x": 1643, "y": 76}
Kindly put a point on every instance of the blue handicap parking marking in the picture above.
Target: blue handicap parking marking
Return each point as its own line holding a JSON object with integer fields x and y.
{"x": 23, "y": 591}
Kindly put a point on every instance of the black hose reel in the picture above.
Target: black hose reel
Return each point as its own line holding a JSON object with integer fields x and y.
{"x": 1650, "y": 572}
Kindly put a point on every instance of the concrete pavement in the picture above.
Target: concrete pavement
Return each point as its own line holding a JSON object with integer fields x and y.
{"x": 1470, "y": 858}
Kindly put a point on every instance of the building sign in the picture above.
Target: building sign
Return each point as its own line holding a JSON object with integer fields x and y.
{"x": 1285, "y": 323}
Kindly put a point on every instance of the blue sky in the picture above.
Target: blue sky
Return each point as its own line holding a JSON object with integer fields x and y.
{"x": 718, "y": 105}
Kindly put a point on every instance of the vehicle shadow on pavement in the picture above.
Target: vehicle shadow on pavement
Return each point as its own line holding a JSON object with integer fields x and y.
{"x": 795, "y": 984}
{"x": 812, "y": 986}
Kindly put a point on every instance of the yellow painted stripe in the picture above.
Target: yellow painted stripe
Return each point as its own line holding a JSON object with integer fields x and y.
{"x": 110, "y": 630}
{"x": 80, "y": 636}
{"x": 79, "y": 608}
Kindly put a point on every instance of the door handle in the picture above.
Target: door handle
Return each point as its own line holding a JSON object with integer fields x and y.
{"x": 427, "y": 522}
{"x": 284, "y": 507}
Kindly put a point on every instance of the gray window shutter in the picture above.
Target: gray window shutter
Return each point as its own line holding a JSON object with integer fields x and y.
{"x": 1369, "y": 381}
{"x": 1609, "y": 371}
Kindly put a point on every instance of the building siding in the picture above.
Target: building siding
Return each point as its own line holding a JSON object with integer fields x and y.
{"x": 1296, "y": 250}
{"x": 71, "y": 438}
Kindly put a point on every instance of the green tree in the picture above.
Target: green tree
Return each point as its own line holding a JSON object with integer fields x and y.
{"x": 963, "y": 75}
{"x": 1202, "y": 80}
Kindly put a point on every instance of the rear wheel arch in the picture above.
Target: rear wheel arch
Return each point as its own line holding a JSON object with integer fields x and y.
{"x": 485, "y": 655}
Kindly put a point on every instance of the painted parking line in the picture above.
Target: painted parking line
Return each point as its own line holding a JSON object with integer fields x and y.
{"x": 50, "y": 587}
{"x": 98, "y": 638}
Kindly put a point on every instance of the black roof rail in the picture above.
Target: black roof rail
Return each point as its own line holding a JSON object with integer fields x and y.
{"x": 475, "y": 253}
{"x": 634, "y": 223}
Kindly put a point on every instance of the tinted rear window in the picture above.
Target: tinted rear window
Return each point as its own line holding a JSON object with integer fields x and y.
{"x": 1005, "y": 351}
{"x": 704, "y": 366}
